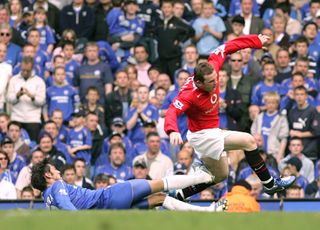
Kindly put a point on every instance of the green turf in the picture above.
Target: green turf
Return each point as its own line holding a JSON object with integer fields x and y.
{"x": 153, "y": 220}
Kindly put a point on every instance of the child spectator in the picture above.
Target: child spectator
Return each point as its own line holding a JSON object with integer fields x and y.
{"x": 272, "y": 127}
{"x": 61, "y": 96}
{"x": 79, "y": 139}
{"x": 58, "y": 61}
{"x": 47, "y": 39}
{"x": 27, "y": 193}
{"x": 68, "y": 50}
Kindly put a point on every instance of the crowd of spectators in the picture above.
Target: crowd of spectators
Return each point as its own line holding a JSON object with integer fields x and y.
{"x": 87, "y": 83}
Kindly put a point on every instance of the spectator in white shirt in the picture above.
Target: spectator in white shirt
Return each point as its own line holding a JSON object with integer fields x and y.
{"x": 5, "y": 74}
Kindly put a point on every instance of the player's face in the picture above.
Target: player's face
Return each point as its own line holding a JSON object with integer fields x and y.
{"x": 14, "y": 132}
{"x": 295, "y": 147}
{"x": 54, "y": 173}
{"x": 9, "y": 149}
{"x": 3, "y": 52}
{"x": 37, "y": 157}
{"x": 210, "y": 82}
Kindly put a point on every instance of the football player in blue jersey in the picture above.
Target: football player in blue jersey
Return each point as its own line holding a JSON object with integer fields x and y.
{"x": 130, "y": 194}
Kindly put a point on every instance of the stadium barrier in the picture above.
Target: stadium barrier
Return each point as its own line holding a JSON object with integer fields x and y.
{"x": 287, "y": 205}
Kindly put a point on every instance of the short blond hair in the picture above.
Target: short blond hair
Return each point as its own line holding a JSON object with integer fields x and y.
{"x": 272, "y": 95}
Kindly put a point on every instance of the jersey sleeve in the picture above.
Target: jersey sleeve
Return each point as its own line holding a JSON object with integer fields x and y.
{"x": 179, "y": 105}
{"x": 61, "y": 196}
{"x": 218, "y": 56}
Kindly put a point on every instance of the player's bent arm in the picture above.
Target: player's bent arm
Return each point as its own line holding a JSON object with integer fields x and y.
{"x": 61, "y": 197}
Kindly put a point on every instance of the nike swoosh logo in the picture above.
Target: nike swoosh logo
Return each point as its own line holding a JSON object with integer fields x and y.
{"x": 256, "y": 169}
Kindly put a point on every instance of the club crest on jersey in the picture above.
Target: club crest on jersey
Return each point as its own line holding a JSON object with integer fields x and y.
{"x": 178, "y": 104}
{"x": 220, "y": 49}
{"x": 213, "y": 98}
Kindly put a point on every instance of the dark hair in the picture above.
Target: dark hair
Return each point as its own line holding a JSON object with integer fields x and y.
{"x": 91, "y": 113}
{"x": 301, "y": 87}
{"x": 68, "y": 43}
{"x": 295, "y": 139}
{"x": 32, "y": 29}
{"x": 38, "y": 180}
{"x": 27, "y": 60}
{"x": 67, "y": 167}
{"x": 182, "y": 71}
{"x": 159, "y": 88}
{"x": 282, "y": 49}
{"x": 79, "y": 159}
{"x": 50, "y": 122}
{"x": 101, "y": 178}
{"x": 243, "y": 183}
{"x": 15, "y": 123}
{"x": 45, "y": 134}
{"x": 298, "y": 73}
{"x": 141, "y": 45}
{"x": 167, "y": 1}
{"x": 202, "y": 69}
{"x": 152, "y": 134}
{"x": 302, "y": 39}
{"x": 117, "y": 145}
{"x": 120, "y": 71}
{"x": 284, "y": 7}
{"x": 302, "y": 59}
{"x": 308, "y": 24}
{"x": 57, "y": 56}
{"x": 6, "y": 156}
{"x": 27, "y": 189}
{"x": 269, "y": 62}
{"x": 93, "y": 88}
{"x": 154, "y": 68}
{"x": 3, "y": 114}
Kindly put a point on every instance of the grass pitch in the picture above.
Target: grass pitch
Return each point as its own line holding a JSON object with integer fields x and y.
{"x": 154, "y": 220}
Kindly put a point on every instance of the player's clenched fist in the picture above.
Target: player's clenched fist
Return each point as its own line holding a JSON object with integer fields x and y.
{"x": 175, "y": 138}
{"x": 263, "y": 38}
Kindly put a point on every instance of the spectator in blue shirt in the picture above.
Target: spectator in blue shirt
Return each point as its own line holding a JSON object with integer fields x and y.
{"x": 17, "y": 162}
{"x": 80, "y": 139}
{"x": 269, "y": 72}
{"x": 61, "y": 96}
{"x": 116, "y": 165}
{"x": 5, "y": 173}
{"x": 209, "y": 30}
{"x": 57, "y": 117}
{"x": 13, "y": 50}
{"x": 93, "y": 73}
{"x": 68, "y": 50}
{"x": 58, "y": 61}
{"x": 140, "y": 113}
{"x": 47, "y": 39}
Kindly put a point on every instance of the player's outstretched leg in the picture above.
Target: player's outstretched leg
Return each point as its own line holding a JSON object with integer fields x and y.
{"x": 246, "y": 142}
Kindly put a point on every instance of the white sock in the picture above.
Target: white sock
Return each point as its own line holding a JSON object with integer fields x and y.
{"x": 174, "y": 204}
{"x": 183, "y": 181}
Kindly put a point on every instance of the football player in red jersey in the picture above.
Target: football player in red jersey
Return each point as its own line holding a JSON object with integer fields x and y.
{"x": 199, "y": 100}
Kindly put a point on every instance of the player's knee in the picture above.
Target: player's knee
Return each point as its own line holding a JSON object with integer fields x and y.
{"x": 250, "y": 142}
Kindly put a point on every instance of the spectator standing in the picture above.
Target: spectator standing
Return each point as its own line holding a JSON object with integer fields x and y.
{"x": 78, "y": 17}
{"x": 13, "y": 50}
{"x": 209, "y": 29}
{"x": 81, "y": 171}
{"x": 26, "y": 94}
{"x": 94, "y": 73}
{"x": 5, "y": 75}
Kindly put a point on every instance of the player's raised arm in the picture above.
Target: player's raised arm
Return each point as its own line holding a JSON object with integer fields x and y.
{"x": 219, "y": 55}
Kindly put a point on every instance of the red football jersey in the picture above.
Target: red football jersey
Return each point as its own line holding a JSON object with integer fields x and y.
{"x": 201, "y": 107}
